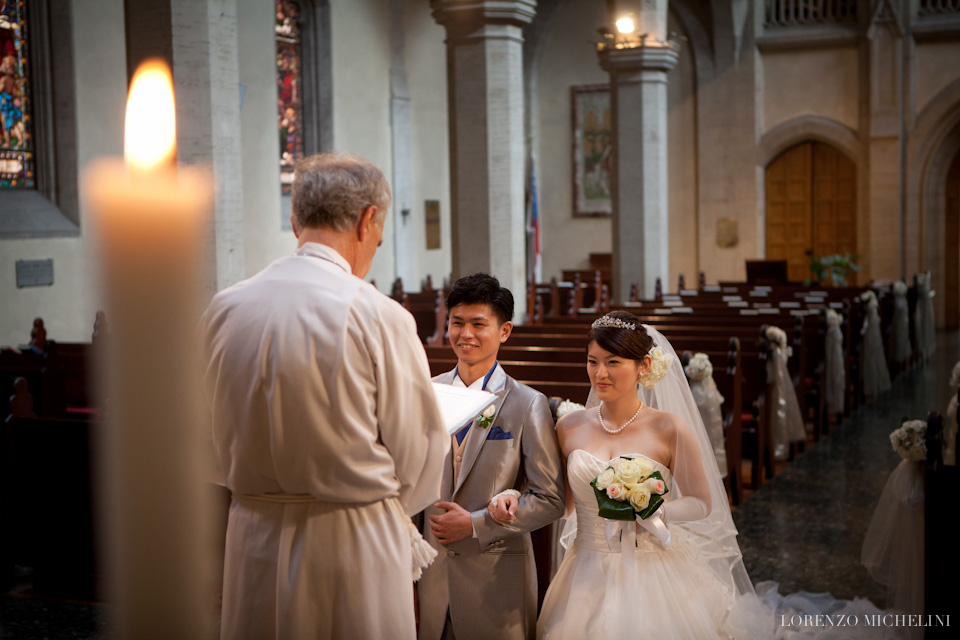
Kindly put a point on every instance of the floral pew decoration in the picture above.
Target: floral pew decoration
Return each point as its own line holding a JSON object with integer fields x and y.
{"x": 876, "y": 376}
{"x": 901, "y": 324}
{"x": 836, "y": 376}
{"x": 699, "y": 372}
{"x": 893, "y": 546}
{"x": 786, "y": 420}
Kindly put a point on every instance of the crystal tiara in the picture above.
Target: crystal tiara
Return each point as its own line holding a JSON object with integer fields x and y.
{"x": 610, "y": 321}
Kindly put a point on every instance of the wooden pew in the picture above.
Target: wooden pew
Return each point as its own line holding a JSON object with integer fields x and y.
{"x": 941, "y": 562}
{"x": 48, "y": 505}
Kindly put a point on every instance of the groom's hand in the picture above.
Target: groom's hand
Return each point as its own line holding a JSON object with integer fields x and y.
{"x": 453, "y": 525}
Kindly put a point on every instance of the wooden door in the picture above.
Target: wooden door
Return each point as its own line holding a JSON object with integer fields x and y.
{"x": 951, "y": 279}
{"x": 811, "y": 207}
{"x": 790, "y": 210}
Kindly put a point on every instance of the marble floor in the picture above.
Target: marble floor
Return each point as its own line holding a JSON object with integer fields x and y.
{"x": 803, "y": 529}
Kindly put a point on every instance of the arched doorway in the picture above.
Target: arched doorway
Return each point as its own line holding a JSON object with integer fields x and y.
{"x": 811, "y": 206}
{"x": 951, "y": 239}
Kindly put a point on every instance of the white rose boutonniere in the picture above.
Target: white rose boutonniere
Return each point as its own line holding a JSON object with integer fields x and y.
{"x": 485, "y": 419}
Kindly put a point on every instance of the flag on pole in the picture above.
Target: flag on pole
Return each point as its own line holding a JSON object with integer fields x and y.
{"x": 534, "y": 267}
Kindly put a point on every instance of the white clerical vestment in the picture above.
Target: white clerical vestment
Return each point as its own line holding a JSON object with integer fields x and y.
{"x": 328, "y": 433}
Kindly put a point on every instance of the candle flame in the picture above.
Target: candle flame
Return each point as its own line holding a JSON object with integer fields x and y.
{"x": 150, "y": 131}
{"x": 625, "y": 25}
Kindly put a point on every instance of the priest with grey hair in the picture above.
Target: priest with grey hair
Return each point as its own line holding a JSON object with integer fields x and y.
{"x": 324, "y": 423}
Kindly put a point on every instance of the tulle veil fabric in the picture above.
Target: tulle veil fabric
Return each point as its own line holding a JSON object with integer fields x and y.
{"x": 715, "y": 535}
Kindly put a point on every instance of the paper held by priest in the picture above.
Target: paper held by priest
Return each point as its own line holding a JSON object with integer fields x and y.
{"x": 460, "y": 405}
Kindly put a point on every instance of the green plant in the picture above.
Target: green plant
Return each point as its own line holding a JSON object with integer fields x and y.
{"x": 837, "y": 266}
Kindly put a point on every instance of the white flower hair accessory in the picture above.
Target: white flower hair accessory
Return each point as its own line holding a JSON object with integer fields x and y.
{"x": 899, "y": 288}
{"x": 699, "y": 368}
{"x": 566, "y": 407}
{"x": 659, "y": 365}
{"x": 869, "y": 299}
{"x": 909, "y": 440}
{"x": 955, "y": 376}
{"x": 834, "y": 319}
{"x": 778, "y": 336}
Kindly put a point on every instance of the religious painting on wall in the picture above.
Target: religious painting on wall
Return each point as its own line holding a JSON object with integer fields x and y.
{"x": 16, "y": 139}
{"x": 289, "y": 90}
{"x": 592, "y": 150}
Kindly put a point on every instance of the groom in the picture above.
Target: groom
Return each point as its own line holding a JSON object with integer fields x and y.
{"x": 483, "y": 583}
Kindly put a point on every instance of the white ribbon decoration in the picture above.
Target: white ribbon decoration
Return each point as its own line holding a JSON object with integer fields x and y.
{"x": 628, "y": 533}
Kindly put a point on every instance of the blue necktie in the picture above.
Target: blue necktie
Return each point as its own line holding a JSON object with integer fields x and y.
{"x": 460, "y": 435}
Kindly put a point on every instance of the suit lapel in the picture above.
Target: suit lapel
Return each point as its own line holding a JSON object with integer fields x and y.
{"x": 476, "y": 437}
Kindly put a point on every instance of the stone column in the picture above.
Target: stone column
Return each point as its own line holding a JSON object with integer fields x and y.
{"x": 881, "y": 238}
{"x": 405, "y": 241}
{"x": 638, "y": 92}
{"x": 485, "y": 94}
{"x": 199, "y": 41}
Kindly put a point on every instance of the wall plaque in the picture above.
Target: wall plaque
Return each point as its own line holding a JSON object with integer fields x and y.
{"x": 34, "y": 273}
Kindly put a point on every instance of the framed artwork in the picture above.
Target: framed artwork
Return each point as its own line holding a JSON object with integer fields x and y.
{"x": 592, "y": 150}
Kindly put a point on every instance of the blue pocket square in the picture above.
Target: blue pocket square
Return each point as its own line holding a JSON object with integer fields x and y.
{"x": 497, "y": 433}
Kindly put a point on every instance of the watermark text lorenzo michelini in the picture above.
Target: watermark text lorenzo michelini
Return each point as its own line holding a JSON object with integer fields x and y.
{"x": 864, "y": 620}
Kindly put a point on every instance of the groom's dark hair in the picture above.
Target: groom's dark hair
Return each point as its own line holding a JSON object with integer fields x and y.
{"x": 482, "y": 288}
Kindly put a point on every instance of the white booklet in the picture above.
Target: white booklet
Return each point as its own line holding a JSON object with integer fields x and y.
{"x": 459, "y": 405}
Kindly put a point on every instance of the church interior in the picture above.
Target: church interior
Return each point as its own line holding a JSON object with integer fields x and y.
{"x": 717, "y": 167}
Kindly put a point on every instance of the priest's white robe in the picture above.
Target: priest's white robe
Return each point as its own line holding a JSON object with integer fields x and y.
{"x": 326, "y": 428}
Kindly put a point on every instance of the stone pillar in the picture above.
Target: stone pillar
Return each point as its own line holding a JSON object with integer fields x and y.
{"x": 405, "y": 241}
{"x": 485, "y": 94}
{"x": 199, "y": 40}
{"x": 881, "y": 238}
{"x": 638, "y": 92}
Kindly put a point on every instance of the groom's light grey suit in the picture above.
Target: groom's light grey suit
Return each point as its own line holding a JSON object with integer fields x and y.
{"x": 489, "y": 582}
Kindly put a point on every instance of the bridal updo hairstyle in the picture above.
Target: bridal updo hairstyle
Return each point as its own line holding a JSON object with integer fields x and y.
{"x": 632, "y": 344}
{"x": 482, "y": 288}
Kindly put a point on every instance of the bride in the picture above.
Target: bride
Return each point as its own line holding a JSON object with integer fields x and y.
{"x": 677, "y": 574}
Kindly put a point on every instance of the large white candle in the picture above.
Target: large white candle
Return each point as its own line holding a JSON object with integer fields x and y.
{"x": 149, "y": 221}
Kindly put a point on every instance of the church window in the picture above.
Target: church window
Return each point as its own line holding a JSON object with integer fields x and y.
{"x": 289, "y": 89}
{"x": 16, "y": 137}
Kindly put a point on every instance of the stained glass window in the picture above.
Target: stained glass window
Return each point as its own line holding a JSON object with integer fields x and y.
{"x": 289, "y": 90}
{"x": 16, "y": 139}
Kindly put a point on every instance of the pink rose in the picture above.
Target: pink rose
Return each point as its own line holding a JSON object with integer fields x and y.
{"x": 616, "y": 491}
{"x": 655, "y": 486}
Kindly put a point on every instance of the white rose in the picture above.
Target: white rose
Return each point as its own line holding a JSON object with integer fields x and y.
{"x": 488, "y": 412}
{"x": 629, "y": 471}
{"x": 566, "y": 407}
{"x": 699, "y": 367}
{"x": 606, "y": 478}
{"x": 639, "y": 498}
{"x": 659, "y": 365}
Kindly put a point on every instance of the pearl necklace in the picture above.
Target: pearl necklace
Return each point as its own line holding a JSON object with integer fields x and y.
{"x": 625, "y": 424}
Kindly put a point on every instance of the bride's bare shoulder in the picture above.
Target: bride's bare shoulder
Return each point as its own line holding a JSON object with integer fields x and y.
{"x": 575, "y": 420}
{"x": 663, "y": 421}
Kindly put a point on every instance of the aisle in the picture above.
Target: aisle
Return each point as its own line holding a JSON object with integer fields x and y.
{"x": 805, "y": 528}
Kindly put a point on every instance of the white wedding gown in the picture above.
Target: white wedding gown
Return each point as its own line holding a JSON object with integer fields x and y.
{"x": 598, "y": 593}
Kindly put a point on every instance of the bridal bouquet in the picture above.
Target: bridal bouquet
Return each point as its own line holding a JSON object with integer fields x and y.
{"x": 628, "y": 488}
{"x": 910, "y": 440}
